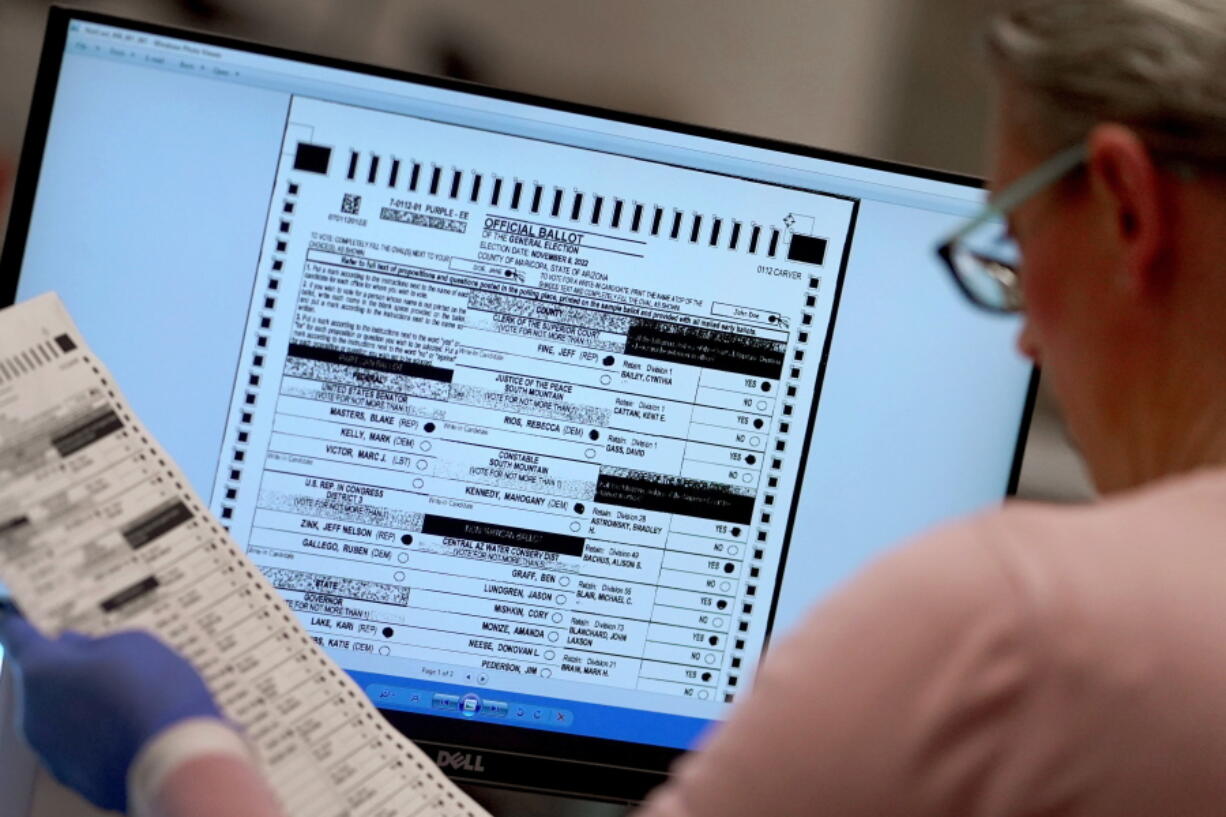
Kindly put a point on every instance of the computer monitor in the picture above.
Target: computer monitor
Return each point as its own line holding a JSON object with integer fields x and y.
{"x": 543, "y": 417}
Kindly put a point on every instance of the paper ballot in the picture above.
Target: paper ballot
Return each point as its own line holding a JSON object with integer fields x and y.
{"x": 100, "y": 531}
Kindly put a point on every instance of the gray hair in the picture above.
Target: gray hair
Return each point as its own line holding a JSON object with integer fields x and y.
{"x": 1158, "y": 66}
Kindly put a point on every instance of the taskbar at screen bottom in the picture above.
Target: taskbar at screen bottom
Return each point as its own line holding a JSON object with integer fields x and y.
{"x": 571, "y": 756}
{"x": 474, "y": 702}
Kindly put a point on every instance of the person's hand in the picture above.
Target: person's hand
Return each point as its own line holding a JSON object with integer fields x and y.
{"x": 88, "y": 705}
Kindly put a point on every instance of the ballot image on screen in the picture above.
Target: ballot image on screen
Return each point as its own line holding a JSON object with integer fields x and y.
{"x": 525, "y": 408}
{"x": 544, "y": 420}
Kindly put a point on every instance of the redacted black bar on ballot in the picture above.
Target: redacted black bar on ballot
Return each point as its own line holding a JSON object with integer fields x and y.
{"x": 370, "y": 362}
{"x": 688, "y": 497}
{"x": 130, "y": 594}
{"x": 16, "y": 536}
{"x": 708, "y": 348}
{"x": 13, "y": 525}
{"x": 88, "y": 431}
{"x": 559, "y": 543}
{"x": 161, "y": 520}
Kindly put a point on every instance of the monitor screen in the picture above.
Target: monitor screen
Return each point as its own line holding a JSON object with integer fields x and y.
{"x": 543, "y": 418}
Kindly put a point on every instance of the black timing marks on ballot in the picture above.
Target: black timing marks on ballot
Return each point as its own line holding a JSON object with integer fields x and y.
{"x": 801, "y": 248}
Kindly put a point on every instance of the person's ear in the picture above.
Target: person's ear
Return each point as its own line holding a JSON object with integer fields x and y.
{"x": 1126, "y": 182}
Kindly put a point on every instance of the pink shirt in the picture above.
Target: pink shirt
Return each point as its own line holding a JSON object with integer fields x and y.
{"x": 1037, "y": 661}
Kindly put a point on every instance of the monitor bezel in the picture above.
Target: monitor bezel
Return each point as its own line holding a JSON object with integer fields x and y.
{"x": 585, "y": 767}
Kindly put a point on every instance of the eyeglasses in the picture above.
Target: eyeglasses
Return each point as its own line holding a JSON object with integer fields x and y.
{"x": 983, "y": 257}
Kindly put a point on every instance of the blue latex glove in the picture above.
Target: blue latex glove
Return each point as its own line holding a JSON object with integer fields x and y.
{"x": 88, "y": 705}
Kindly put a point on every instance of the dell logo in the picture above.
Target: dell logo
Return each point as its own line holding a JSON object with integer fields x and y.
{"x": 461, "y": 761}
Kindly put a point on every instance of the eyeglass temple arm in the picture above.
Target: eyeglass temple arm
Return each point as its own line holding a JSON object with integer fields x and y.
{"x": 1024, "y": 188}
